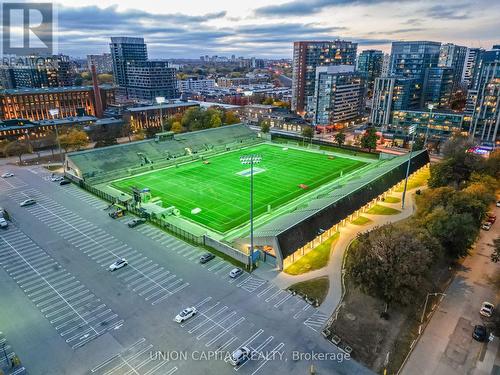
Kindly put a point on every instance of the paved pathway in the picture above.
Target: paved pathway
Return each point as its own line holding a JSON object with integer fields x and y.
{"x": 334, "y": 268}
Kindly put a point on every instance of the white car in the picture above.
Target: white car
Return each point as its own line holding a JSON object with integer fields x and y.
{"x": 118, "y": 264}
{"x": 486, "y": 226}
{"x": 7, "y": 174}
{"x": 498, "y": 203}
{"x": 56, "y": 178}
{"x": 487, "y": 309}
{"x": 185, "y": 314}
{"x": 235, "y": 272}
{"x": 239, "y": 356}
{"x": 27, "y": 202}
{"x": 3, "y": 223}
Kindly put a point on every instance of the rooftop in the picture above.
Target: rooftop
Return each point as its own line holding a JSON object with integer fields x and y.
{"x": 33, "y": 90}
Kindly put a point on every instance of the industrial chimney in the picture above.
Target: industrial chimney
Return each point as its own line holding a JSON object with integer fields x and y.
{"x": 97, "y": 93}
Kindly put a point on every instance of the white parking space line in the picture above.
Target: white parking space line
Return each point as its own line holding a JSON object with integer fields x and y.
{"x": 316, "y": 321}
{"x": 95, "y": 241}
{"x": 54, "y": 293}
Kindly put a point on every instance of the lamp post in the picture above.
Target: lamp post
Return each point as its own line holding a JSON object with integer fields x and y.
{"x": 54, "y": 113}
{"x": 431, "y": 107}
{"x": 245, "y": 160}
{"x": 413, "y": 130}
{"x": 160, "y": 100}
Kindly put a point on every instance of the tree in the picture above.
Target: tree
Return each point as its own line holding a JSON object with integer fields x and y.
{"x": 495, "y": 256}
{"x": 215, "y": 120}
{"x": 265, "y": 126}
{"x": 139, "y": 134}
{"x": 74, "y": 139}
{"x": 418, "y": 144}
{"x": 369, "y": 139}
{"x": 392, "y": 262}
{"x": 176, "y": 127}
{"x": 17, "y": 148}
{"x": 230, "y": 118}
{"x": 308, "y": 132}
{"x": 340, "y": 138}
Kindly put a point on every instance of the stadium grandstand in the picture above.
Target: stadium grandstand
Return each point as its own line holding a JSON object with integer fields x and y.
{"x": 197, "y": 188}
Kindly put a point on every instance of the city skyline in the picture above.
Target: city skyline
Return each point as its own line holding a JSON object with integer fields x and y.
{"x": 267, "y": 29}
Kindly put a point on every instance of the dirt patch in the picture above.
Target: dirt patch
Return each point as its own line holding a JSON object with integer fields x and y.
{"x": 359, "y": 324}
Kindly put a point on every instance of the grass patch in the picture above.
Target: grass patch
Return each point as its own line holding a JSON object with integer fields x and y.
{"x": 315, "y": 288}
{"x": 382, "y": 210}
{"x": 420, "y": 179}
{"x": 361, "y": 221}
{"x": 331, "y": 148}
{"x": 315, "y": 259}
{"x": 392, "y": 200}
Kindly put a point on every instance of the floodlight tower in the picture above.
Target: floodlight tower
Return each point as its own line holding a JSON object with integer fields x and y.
{"x": 54, "y": 112}
{"x": 412, "y": 130}
{"x": 245, "y": 160}
{"x": 431, "y": 107}
{"x": 160, "y": 100}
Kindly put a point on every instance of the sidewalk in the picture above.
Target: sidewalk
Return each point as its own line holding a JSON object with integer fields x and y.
{"x": 334, "y": 267}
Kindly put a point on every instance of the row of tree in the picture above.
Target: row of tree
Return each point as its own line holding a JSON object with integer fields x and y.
{"x": 396, "y": 262}
{"x": 196, "y": 118}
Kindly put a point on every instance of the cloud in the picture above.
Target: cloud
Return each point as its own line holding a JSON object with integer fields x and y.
{"x": 450, "y": 12}
{"x": 300, "y": 7}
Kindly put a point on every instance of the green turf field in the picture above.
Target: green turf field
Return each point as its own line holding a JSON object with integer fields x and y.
{"x": 224, "y": 196}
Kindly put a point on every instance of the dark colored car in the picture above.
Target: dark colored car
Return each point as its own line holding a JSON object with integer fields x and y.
{"x": 116, "y": 214}
{"x": 207, "y": 257}
{"x": 65, "y": 182}
{"x": 479, "y": 333}
{"x": 135, "y": 222}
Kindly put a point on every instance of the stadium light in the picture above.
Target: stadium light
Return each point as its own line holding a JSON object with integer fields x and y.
{"x": 245, "y": 160}
{"x": 54, "y": 113}
{"x": 160, "y": 100}
{"x": 412, "y": 130}
{"x": 431, "y": 107}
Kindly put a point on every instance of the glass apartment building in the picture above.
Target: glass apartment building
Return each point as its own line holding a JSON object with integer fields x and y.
{"x": 339, "y": 95}
{"x": 438, "y": 87}
{"x": 390, "y": 93}
{"x": 370, "y": 64}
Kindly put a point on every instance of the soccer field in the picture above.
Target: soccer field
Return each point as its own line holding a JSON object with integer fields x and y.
{"x": 221, "y": 189}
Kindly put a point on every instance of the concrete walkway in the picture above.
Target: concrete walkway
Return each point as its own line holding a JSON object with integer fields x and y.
{"x": 334, "y": 267}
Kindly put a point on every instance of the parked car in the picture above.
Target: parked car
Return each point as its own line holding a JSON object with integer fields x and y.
{"x": 56, "y": 178}
{"x": 240, "y": 356}
{"x": 487, "y": 309}
{"x": 64, "y": 182}
{"x": 3, "y": 223}
{"x": 479, "y": 333}
{"x": 235, "y": 272}
{"x": 116, "y": 214}
{"x": 118, "y": 264}
{"x": 498, "y": 203}
{"x": 486, "y": 226}
{"x": 27, "y": 202}
{"x": 491, "y": 219}
{"x": 7, "y": 175}
{"x": 207, "y": 257}
{"x": 135, "y": 222}
{"x": 185, "y": 314}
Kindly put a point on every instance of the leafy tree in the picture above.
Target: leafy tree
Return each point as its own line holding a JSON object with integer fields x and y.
{"x": 340, "y": 138}
{"x": 308, "y": 132}
{"x": 230, "y": 118}
{"x": 418, "y": 144}
{"x": 392, "y": 262}
{"x": 265, "y": 126}
{"x": 193, "y": 119}
{"x": 139, "y": 135}
{"x": 105, "y": 78}
{"x": 268, "y": 101}
{"x": 456, "y": 232}
{"x": 369, "y": 139}
{"x": 495, "y": 256}
{"x": 74, "y": 139}
{"x": 214, "y": 118}
{"x": 176, "y": 127}
{"x": 17, "y": 148}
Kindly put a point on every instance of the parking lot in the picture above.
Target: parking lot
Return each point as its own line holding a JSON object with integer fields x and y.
{"x": 77, "y": 314}
{"x": 72, "y": 228}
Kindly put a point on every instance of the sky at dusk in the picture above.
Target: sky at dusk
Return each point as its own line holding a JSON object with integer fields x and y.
{"x": 266, "y": 28}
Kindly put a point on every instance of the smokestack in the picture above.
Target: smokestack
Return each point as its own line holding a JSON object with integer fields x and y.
{"x": 97, "y": 93}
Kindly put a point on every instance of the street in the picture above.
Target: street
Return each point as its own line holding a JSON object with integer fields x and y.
{"x": 446, "y": 346}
